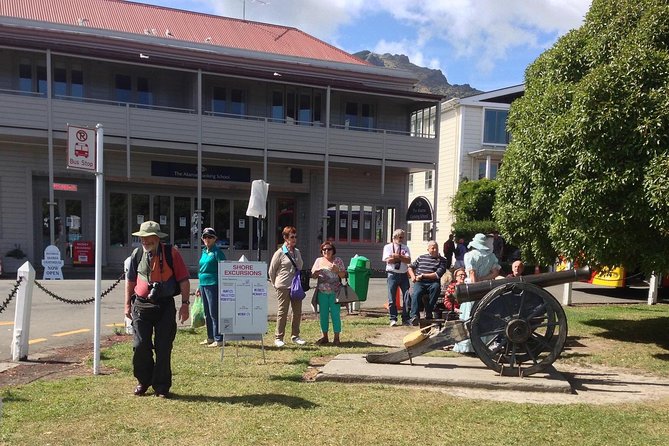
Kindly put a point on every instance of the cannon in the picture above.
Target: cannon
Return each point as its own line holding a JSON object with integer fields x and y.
{"x": 516, "y": 327}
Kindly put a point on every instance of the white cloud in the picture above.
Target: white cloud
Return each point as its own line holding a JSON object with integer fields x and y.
{"x": 483, "y": 32}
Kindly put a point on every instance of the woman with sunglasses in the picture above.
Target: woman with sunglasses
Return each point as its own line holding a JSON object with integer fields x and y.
{"x": 285, "y": 263}
{"x": 208, "y": 289}
{"x": 329, "y": 270}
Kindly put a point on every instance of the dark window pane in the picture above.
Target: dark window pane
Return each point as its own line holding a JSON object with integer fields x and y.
{"x": 240, "y": 238}
{"x": 237, "y": 106}
{"x": 60, "y": 81}
{"x": 144, "y": 95}
{"x": 25, "y": 77}
{"x": 41, "y": 79}
{"x": 123, "y": 88}
{"x": 222, "y": 222}
{"x": 218, "y": 100}
{"x": 118, "y": 219}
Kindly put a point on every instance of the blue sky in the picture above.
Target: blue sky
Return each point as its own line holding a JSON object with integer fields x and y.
{"x": 484, "y": 43}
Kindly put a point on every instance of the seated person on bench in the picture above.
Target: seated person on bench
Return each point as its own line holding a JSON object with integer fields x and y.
{"x": 425, "y": 273}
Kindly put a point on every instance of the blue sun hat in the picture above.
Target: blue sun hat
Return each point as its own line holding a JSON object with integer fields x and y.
{"x": 479, "y": 243}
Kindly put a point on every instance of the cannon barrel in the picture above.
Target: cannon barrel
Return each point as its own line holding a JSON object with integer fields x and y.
{"x": 468, "y": 292}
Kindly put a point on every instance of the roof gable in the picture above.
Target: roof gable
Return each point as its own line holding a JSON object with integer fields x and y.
{"x": 143, "y": 19}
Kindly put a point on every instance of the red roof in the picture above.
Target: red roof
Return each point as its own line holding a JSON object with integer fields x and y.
{"x": 139, "y": 18}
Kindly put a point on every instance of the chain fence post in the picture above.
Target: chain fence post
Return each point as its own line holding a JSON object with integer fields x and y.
{"x": 24, "y": 298}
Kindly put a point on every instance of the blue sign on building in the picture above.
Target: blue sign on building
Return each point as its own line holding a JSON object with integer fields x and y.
{"x": 185, "y": 170}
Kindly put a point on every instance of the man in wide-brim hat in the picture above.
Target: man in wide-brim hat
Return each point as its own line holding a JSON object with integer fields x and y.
{"x": 156, "y": 274}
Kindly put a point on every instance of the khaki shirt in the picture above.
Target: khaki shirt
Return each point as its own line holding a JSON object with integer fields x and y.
{"x": 281, "y": 269}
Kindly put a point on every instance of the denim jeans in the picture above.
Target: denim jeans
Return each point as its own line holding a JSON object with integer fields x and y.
{"x": 419, "y": 288}
{"x": 395, "y": 280}
{"x": 209, "y": 295}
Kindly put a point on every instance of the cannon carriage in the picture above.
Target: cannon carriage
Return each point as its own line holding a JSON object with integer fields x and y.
{"x": 516, "y": 328}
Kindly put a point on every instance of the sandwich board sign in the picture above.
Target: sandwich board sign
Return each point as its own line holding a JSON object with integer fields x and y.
{"x": 242, "y": 308}
{"x": 81, "y": 149}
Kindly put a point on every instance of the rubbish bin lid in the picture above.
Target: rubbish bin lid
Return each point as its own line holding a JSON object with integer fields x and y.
{"x": 359, "y": 263}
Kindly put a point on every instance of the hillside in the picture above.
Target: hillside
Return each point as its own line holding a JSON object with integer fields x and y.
{"x": 429, "y": 80}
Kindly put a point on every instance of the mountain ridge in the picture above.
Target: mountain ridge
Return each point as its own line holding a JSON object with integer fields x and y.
{"x": 429, "y": 80}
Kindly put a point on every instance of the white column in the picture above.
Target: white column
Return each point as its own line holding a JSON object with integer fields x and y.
{"x": 24, "y": 299}
{"x": 566, "y": 293}
{"x": 487, "y": 167}
{"x": 652, "y": 289}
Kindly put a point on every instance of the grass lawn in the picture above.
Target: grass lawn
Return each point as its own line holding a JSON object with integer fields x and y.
{"x": 242, "y": 401}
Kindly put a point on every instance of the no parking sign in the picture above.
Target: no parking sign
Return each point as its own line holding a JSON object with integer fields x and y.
{"x": 81, "y": 150}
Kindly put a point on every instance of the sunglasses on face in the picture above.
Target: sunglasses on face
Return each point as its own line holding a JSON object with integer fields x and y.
{"x": 327, "y": 249}
{"x": 208, "y": 236}
{"x": 292, "y": 236}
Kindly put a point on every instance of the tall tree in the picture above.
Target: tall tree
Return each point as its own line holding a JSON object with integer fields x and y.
{"x": 587, "y": 172}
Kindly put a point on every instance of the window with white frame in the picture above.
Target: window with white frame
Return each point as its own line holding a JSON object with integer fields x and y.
{"x": 350, "y": 223}
{"x": 423, "y": 123}
{"x": 427, "y": 231}
{"x": 494, "y": 167}
{"x": 408, "y": 232}
{"x": 494, "y": 127}
{"x": 410, "y": 183}
{"x": 428, "y": 180}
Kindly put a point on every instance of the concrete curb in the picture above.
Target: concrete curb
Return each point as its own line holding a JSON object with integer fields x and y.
{"x": 442, "y": 372}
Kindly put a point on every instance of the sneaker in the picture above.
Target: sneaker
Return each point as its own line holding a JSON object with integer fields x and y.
{"x": 279, "y": 343}
{"x": 393, "y": 323}
{"x": 216, "y": 344}
{"x": 206, "y": 342}
{"x": 298, "y": 340}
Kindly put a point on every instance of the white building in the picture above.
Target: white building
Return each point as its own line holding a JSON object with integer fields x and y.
{"x": 472, "y": 142}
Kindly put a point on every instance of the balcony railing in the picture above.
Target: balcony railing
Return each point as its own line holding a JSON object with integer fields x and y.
{"x": 220, "y": 131}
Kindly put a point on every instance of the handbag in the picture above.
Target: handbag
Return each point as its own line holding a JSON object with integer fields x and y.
{"x": 345, "y": 294}
{"x": 304, "y": 276}
{"x": 296, "y": 291}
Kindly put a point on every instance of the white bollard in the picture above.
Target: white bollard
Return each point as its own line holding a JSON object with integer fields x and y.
{"x": 566, "y": 294}
{"x": 24, "y": 299}
{"x": 652, "y": 288}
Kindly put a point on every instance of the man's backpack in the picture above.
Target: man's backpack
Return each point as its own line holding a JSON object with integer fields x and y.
{"x": 136, "y": 257}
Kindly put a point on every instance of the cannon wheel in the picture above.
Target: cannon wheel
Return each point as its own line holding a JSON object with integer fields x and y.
{"x": 518, "y": 329}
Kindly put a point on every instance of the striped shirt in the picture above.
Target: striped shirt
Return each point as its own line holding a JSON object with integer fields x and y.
{"x": 426, "y": 264}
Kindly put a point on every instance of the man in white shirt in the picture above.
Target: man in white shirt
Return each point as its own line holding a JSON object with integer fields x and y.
{"x": 396, "y": 256}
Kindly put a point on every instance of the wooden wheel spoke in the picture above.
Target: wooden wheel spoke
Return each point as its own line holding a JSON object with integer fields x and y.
{"x": 545, "y": 324}
{"x": 495, "y": 331}
{"x": 541, "y": 341}
{"x": 530, "y": 353}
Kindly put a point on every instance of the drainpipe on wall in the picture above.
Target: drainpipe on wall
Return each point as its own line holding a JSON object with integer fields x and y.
{"x": 326, "y": 174}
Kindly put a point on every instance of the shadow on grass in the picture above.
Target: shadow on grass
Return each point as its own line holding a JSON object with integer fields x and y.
{"x": 647, "y": 331}
{"x": 8, "y": 396}
{"x": 266, "y": 399}
{"x": 289, "y": 378}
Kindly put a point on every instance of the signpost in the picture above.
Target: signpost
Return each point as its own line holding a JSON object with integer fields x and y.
{"x": 85, "y": 152}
